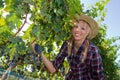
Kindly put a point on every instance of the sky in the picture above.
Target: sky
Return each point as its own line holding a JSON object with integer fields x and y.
{"x": 112, "y": 16}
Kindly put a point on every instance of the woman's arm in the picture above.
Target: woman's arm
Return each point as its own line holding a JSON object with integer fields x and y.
{"x": 54, "y": 65}
{"x": 48, "y": 64}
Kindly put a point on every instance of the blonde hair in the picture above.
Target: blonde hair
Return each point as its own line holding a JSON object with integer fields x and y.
{"x": 84, "y": 53}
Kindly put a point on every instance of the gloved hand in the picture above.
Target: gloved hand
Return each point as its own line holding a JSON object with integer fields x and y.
{"x": 38, "y": 48}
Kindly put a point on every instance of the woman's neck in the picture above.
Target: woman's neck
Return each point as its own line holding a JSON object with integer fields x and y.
{"x": 78, "y": 43}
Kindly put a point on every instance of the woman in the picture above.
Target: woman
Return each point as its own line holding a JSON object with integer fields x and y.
{"x": 83, "y": 57}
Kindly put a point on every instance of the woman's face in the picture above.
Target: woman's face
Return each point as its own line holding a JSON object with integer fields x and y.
{"x": 80, "y": 30}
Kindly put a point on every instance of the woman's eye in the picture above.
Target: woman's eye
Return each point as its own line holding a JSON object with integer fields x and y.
{"x": 83, "y": 28}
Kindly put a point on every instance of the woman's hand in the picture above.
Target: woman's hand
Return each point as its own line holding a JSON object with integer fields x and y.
{"x": 37, "y": 49}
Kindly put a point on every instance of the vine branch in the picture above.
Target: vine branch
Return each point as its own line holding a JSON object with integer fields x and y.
{"x": 25, "y": 21}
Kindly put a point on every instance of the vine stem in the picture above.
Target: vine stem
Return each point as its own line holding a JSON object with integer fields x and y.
{"x": 25, "y": 21}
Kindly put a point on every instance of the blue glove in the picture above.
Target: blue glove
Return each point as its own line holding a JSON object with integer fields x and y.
{"x": 38, "y": 48}
{"x": 11, "y": 64}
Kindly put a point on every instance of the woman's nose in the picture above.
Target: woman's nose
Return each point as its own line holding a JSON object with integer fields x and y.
{"x": 77, "y": 29}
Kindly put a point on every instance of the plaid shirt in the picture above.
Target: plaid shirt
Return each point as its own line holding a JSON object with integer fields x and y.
{"x": 90, "y": 69}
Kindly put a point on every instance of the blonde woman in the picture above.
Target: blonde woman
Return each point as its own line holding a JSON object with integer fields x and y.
{"x": 83, "y": 57}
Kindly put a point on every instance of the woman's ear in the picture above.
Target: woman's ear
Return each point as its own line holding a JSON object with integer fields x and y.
{"x": 89, "y": 31}
{"x": 88, "y": 34}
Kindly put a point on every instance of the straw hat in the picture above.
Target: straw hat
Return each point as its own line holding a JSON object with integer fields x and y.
{"x": 92, "y": 23}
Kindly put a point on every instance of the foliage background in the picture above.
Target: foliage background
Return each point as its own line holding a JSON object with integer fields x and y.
{"x": 48, "y": 23}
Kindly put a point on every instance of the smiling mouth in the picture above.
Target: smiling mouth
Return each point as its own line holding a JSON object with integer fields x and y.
{"x": 77, "y": 34}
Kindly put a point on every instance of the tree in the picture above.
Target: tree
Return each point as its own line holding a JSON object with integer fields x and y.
{"x": 48, "y": 23}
